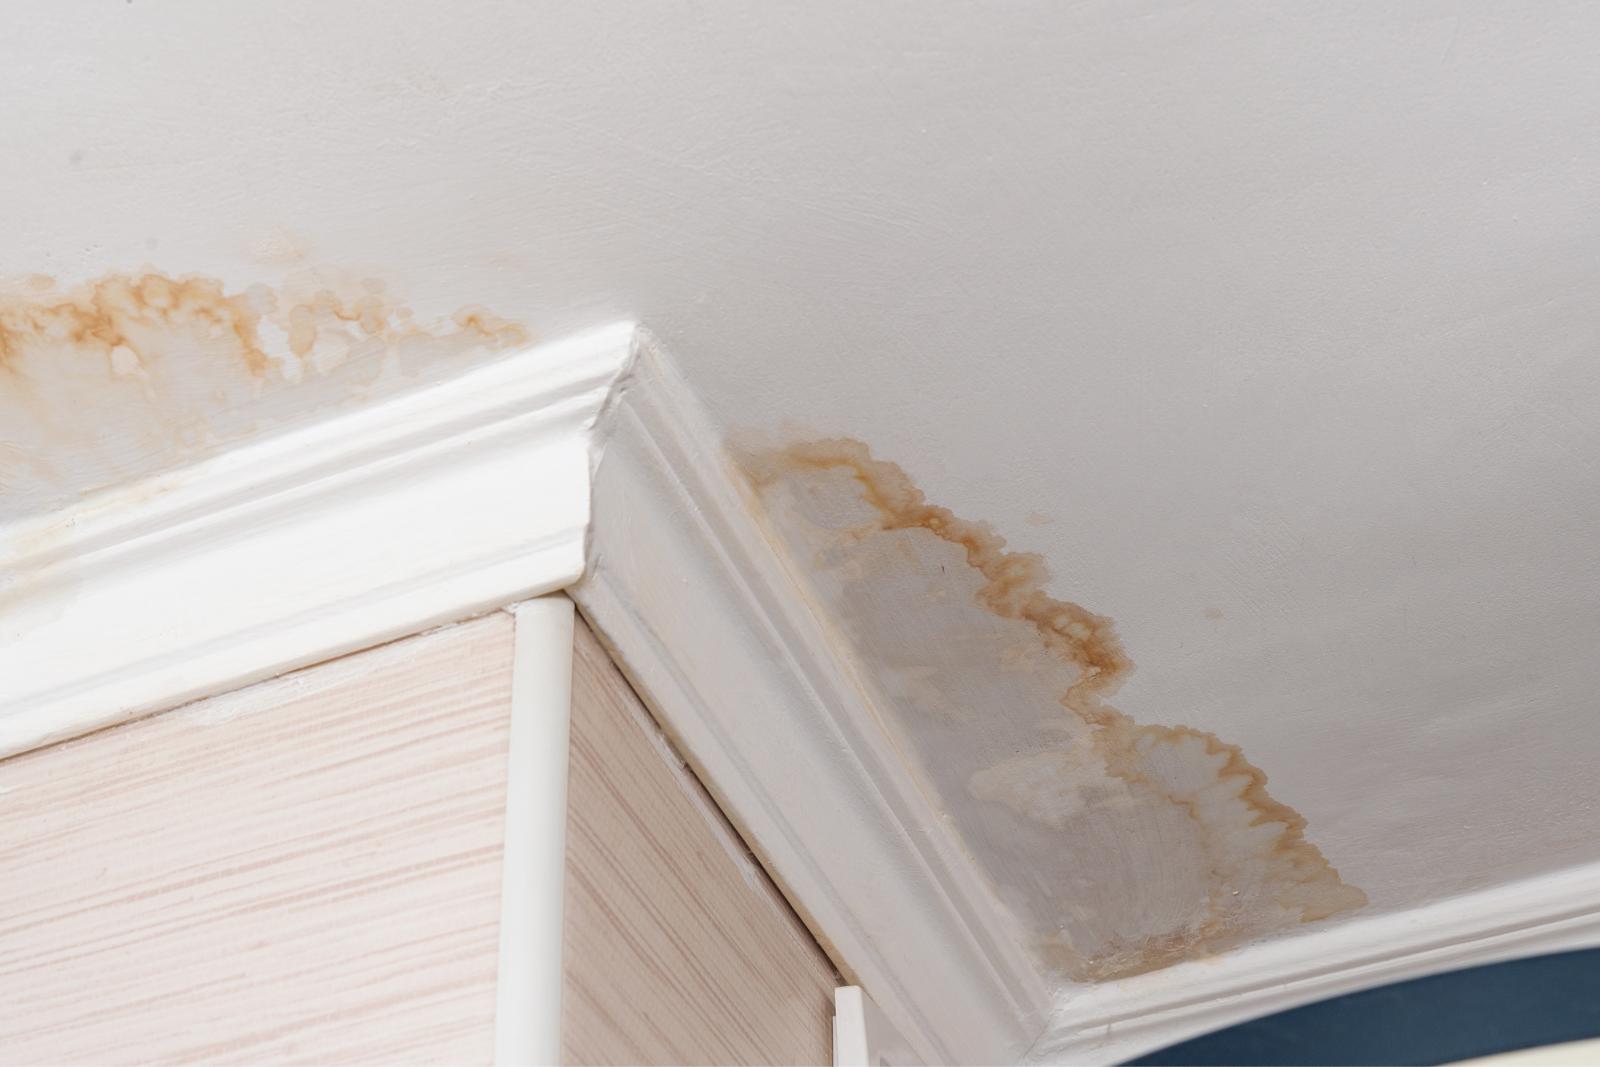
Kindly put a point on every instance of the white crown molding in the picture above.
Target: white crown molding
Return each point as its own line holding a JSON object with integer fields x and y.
{"x": 426, "y": 508}
{"x": 723, "y": 646}
{"x": 1117, "y": 1021}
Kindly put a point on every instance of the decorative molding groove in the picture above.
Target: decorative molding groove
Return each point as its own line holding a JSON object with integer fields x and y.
{"x": 1117, "y": 1021}
{"x": 722, "y": 644}
{"x": 427, "y": 508}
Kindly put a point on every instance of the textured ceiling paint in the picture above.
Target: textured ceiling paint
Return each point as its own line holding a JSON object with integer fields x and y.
{"x": 1283, "y": 315}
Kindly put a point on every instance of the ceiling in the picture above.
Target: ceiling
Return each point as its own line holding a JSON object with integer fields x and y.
{"x": 1270, "y": 329}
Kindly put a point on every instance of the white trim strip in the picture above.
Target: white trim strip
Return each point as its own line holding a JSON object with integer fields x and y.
{"x": 850, "y": 1028}
{"x": 863, "y": 1036}
{"x": 427, "y": 508}
{"x": 527, "y": 1025}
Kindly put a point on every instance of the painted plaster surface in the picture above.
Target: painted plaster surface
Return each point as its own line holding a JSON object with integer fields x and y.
{"x": 1272, "y": 327}
{"x": 1125, "y": 846}
{"x": 129, "y": 374}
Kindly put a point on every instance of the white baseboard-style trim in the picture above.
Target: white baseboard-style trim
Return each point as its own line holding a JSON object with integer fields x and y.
{"x": 439, "y": 504}
{"x": 722, "y": 645}
{"x": 1117, "y": 1021}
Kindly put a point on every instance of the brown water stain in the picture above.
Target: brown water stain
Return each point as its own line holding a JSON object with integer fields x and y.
{"x": 1164, "y": 842}
{"x": 120, "y": 311}
{"x": 131, "y": 373}
{"x": 108, "y": 313}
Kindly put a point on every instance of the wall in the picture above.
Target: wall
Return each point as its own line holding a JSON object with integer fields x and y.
{"x": 678, "y": 948}
{"x": 308, "y": 870}
{"x": 1269, "y": 328}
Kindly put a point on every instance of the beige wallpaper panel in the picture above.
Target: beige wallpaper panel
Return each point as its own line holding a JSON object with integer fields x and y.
{"x": 678, "y": 949}
{"x": 307, "y": 870}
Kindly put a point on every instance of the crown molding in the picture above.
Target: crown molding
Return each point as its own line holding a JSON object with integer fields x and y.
{"x": 1117, "y": 1021}
{"x": 748, "y": 681}
{"x": 441, "y": 503}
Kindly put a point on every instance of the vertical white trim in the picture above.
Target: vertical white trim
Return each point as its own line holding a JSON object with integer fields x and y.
{"x": 849, "y": 1028}
{"x": 863, "y": 1036}
{"x": 527, "y": 1028}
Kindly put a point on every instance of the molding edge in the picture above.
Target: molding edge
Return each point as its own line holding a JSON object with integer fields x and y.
{"x": 721, "y": 643}
{"x": 1117, "y": 1021}
{"x": 439, "y": 504}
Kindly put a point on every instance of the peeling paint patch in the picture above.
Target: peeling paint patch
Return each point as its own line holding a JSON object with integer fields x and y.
{"x": 131, "y": 374}
{"x": 1122, "y": 846}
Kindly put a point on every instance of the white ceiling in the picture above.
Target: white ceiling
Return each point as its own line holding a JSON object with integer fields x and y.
{"x": 1272, "y": 328}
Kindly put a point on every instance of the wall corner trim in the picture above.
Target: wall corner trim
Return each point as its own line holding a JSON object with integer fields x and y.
{"x": 432, "y": 506}
{"x": 721, "y": 644}
{"x": 527, "y": 1015}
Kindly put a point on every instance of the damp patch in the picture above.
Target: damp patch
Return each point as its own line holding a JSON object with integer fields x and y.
{"x": 129, "y": 374}
{"x": 1121, "y": 846}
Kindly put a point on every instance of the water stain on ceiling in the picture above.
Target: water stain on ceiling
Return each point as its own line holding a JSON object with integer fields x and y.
{"x": 1122, "y": 846}
{"x": 131, "y": 374}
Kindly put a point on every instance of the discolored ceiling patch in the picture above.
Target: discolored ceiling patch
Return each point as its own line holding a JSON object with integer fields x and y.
{"x": 1121, "y": 846}
{"x": 130, "y": 374}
